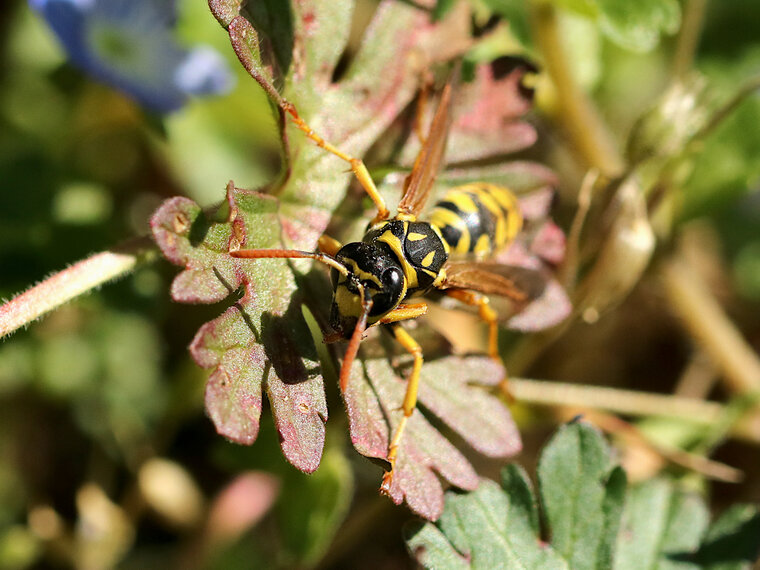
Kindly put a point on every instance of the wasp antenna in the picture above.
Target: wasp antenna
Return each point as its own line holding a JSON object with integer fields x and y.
{"x": 290, "y": 254}
{"x": 356, "y": 338}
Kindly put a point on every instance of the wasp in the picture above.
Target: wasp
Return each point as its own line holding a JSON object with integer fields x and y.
{"x": 377, "y": 281}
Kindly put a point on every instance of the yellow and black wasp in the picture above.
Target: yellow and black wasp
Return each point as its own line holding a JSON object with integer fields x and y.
{"x": 401, "y": 258}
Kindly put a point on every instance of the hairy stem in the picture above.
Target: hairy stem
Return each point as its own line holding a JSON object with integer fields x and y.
{"x": 585, "y": 127}
{"x": 73, "y": 281}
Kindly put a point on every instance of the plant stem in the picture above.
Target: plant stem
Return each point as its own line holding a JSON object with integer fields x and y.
{"x": 711, "y": 328}
{"x": 688, "y": 37}
{"x": 629, "y": 402}
{"x": 71, "y": 282}
{"x": 745, "y": 91}
{"x": 590, "y": 135}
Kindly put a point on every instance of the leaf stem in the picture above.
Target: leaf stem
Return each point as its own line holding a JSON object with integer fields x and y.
{"x": 73, "y": 281}
{"x": 584, "y": 125}
{"x": 629, "y": 402}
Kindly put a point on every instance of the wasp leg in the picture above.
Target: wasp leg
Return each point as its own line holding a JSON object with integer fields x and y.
{"x": 328, "y": 245}
{"x": 485, "y": 312}
{"x": 489, "y": 316}
{"x": 357, "y": 166}
{"x": 404, "y": 312}
{"x": 410, "y": 401}
{"x": 286, "y": 254}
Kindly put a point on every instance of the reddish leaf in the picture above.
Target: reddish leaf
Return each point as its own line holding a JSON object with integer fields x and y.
{"x": 449, "y": 390}
{"x": 454, "y": 389}
{"x": 379, "y": 84}
{"x": 260, "y": 342}
{"x": 489, "y": 124}
{"x": 486, "y": 119}
{"x": 539, "y": 249}
{"x": 423, "y": 449}
{"x": 519, "y": 176}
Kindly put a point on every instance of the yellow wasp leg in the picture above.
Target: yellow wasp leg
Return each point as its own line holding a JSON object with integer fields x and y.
{"x": 328, "y": 245}
{"x": 410, "y": 400}
{"x": 486, "y": 313}
{"x": 489, "y": 316}
{"x": 404, "y": 312}
{"x": 357, "y": 166}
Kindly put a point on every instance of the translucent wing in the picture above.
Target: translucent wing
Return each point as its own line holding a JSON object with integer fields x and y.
{"x": 418, "y": 184}
{"x": 519, "y": 284}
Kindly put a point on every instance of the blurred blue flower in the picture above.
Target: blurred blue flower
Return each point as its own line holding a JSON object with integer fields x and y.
{"x": 130, "y": 45}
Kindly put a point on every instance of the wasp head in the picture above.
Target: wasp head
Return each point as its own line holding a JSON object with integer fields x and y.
{"x": 371, "y": 274}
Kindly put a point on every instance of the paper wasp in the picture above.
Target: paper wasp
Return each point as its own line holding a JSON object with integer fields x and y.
{"x": 401, "y": 258}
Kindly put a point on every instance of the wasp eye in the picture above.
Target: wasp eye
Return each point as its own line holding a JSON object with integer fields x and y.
{"x": 390, "y": 295}
{"x": 392, "y": 280}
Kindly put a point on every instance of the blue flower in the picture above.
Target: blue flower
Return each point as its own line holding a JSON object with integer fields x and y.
{"x": 130, "y": 45}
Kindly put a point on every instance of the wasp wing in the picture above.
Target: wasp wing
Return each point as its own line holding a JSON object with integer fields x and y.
{"x": 418, "y": 184}
{"x": 519, "y": 284}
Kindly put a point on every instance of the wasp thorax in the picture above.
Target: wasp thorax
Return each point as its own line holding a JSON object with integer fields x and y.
{"x": 372, "y": 269}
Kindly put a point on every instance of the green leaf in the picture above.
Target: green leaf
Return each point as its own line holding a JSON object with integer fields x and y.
{"x": 488, "y": 528}
{"x": 517, "y": 14}
{"x": 660, "y": 525}
{"x": 581, "y": 493}
{"x": 733, "y": 541}
{"x": 252, "y": 346}
{"x": 637, "y": 25}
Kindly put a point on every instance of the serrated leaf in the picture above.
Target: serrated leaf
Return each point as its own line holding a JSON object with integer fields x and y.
{"x": 488, "y": 528}
{"x": 244, "y": 346}
{"x": 581, "y": 493}
{"x": 460, "y": 401}
{"x": 660, "y": 526}
{"x": 373, "y": 399}
{"x": 261, "y": 342}
{"x": 456, "y": 391}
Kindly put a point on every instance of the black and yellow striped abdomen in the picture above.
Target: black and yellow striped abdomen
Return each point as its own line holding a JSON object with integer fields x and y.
{"x": 477, "y": 218}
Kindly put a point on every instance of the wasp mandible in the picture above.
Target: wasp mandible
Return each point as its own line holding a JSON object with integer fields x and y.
{"x": 377, "y": 280}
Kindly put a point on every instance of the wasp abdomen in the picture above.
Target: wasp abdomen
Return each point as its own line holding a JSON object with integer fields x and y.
{"x": 478, "y": 218}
